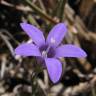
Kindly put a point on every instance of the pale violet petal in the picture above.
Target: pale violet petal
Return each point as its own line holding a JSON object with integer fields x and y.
{"x": 70, "y": 51}
{"x": 34, "y": 33}
{"x": 54, "y": 68}
{"x": 27, "y": 50}
{"x": 57, "y": 34}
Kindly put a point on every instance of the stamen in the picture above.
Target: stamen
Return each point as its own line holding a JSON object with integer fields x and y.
{"x": 48, "y": 49}
{"x": 44, "y": 53}
{"x": 52, "y": 41}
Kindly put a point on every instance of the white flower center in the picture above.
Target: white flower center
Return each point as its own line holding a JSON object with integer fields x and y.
{"x": 53, "y": 40}
{"x": 44, "y": 53}
{"x": 30, "y": 41}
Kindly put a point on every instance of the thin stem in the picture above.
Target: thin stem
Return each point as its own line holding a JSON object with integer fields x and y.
{"x": 42, "y": 13}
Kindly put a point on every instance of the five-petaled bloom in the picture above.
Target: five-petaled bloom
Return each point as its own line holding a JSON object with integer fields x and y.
{"x": 50, "y": 50}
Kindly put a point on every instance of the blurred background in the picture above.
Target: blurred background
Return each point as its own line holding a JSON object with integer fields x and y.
{"x": 17, "y": 73}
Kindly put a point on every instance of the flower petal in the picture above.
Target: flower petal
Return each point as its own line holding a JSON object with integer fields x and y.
{"x": 57, "y": 34}
{"x": 69, "y": 51}
{"x": 27, "y": 50}
{"x": 34, "y": 33}
{"x": 54, "y": 68}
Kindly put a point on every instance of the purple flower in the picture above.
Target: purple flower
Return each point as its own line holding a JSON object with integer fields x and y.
{"x": 50, "y": 49}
